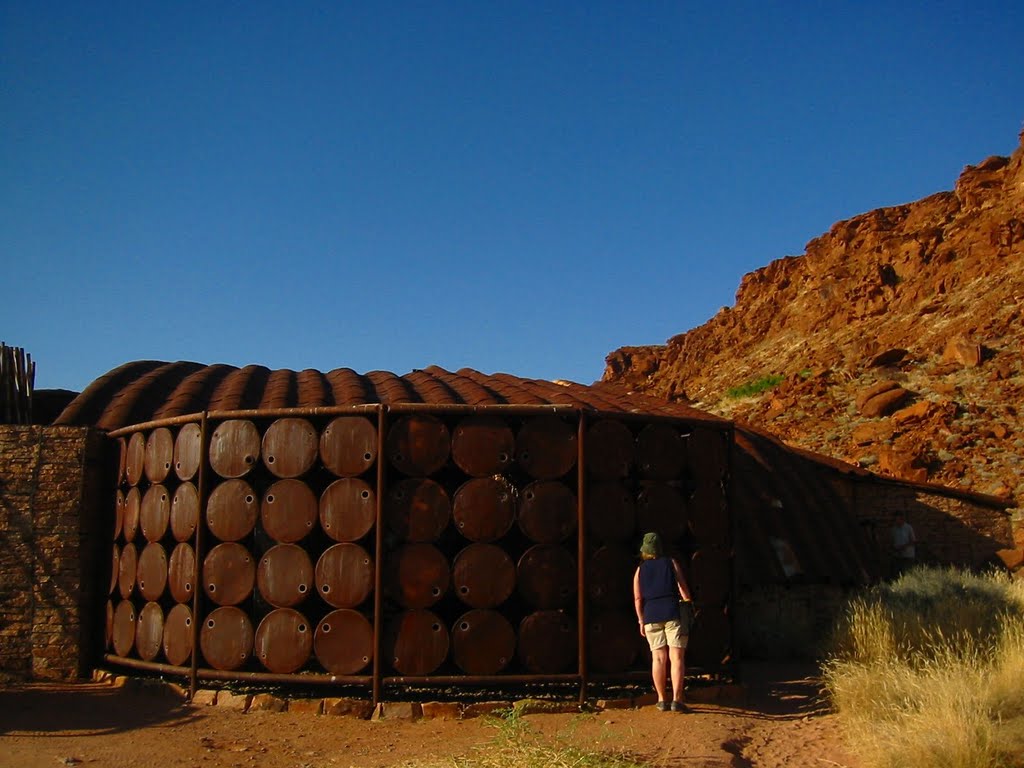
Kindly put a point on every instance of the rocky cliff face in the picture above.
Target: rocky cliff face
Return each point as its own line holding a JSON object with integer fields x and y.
{"x": 898, "y": 338}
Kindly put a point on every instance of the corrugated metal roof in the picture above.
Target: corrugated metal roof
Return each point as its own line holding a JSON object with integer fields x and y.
{"x": 147, "y": 390}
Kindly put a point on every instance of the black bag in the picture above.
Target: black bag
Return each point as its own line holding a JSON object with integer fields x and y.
{"x": 686, "y": 615}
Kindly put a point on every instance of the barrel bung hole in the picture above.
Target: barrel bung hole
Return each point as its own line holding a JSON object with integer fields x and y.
{"x": 503, "y": 457}
{"x": 142, "y": 584}
{"x": 177, "y": 465}
{"x": 365, "y": 659}
{"x": 367, "y": 456}
{"x": 435, "y": 591}
{"x": 302, "y": 629}
{"x": 188, "y": 622}
{"x": 398, "y": 458}
{"x": 188, "y": 586}
{"x": 325, "y": 588}
{"x": 163, "y": 497}
{"x": 249, "y": 499}
{"x": 249, "y": 459}
{"x": 464, "y": 626}
{"x": 270, "y": 459}
{"x": 463, "y": 590}
{"x": 210, "y": 623}
{"x": 436, "y": 627}
{"x": 325, "y": 627}
{"x": 302, "y": 589}
{"x": 529, "y": 495}
{"x": 213, "y": 587}
{"x": 524, "y": 456}
{"x": 167, "y": 465}
{"x": 270, "y": 498}
{"x": 366, "y": 494}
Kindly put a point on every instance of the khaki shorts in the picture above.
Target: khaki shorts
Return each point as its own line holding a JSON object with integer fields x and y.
{"x": 665, "y": 633}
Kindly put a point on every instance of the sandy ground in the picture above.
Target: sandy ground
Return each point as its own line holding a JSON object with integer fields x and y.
{"x": 776, "y": 719}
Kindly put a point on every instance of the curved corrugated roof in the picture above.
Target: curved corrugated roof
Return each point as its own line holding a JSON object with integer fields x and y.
{"x": 147, "y": 390}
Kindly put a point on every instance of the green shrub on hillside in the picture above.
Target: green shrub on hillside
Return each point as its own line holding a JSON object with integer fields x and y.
{"x": 755, "y": 387}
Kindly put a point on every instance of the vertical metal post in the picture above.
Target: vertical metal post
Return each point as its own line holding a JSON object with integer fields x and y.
{"x": 204, "y": 450}
{"x": 581, "y": 554}
{"x": 378, "y": 565}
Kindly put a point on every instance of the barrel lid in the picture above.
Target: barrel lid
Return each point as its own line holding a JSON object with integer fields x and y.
{"x": 289, "y": 511}
{"x": 228, "y": 574}
{"x": 483, "y": 642}
{"x": 285, "y": 575}
{"x": 348, "y": 509}
{"x": 348, "y": 445}
{"x": 483, "y": 446}
{"x": 343, "y": 642}
{"x": 290, "y": 447}
{"x": 226, "y": 638}
{"x": 283, "y": 641}
{"x": 234, "y": 448}
{"x": 159, "y": 455}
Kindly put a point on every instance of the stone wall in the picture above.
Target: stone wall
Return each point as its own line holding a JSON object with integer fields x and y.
{"x": 49, "y": 571}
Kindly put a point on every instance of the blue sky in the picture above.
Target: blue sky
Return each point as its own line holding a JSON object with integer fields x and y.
{"x": 518, "y": 187}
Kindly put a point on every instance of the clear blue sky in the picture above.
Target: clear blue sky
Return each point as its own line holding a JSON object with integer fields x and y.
{"x": 518, "y": 187}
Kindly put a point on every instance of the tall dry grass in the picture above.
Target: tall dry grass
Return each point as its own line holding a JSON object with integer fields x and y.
{"x": 928, "y": 671}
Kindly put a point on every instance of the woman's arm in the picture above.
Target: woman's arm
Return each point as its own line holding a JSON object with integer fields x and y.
{"x": 638, "y": 601}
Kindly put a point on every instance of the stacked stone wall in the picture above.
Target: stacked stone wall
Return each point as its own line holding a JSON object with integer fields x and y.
{"x": 49, "y": 488}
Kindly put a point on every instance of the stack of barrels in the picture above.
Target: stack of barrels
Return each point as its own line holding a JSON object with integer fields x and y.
{"x": 479, "y": 550}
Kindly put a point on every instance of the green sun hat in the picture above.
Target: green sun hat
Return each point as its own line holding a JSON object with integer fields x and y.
{"x": 651, "y": 545}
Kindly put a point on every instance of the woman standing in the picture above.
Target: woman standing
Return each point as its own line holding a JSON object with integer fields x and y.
{"x": 658, "y": 586}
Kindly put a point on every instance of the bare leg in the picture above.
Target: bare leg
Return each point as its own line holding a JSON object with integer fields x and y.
{"x": 659, "y": 658}
{"x": 678, "y": 659}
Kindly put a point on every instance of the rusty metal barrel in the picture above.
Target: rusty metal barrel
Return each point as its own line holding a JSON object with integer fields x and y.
{"x": 418, "y": 445}
{"x": 177, "y": 642}
{"x": 483, "y": 575}
{"x": 710, "y": 517}
{"x": 662, "y": 508}
{"x": 152, "y": 571}
{"x": 226, "y": 638}
{"x": 343, "y": 642}
{"x": 548, "y": 642}
{"x": 483, "y": 642}
{"x": 546, "y": 576}
{"x": 188, "y": 451}
{"x": 610, "y": 449}
{"x": 234, "y": 448}
{"x": 417, "y": 509}
{"x": 344, "y": 575}
{"x": 611, "y": 512}
{"x": 155, "y": 512}
{"x": 229, "y": 574}
{"x": 127, "y": 566}
{"x": 283, "y": 640}
{"x": 132, "y": 511}
{"x": 108, "y": 628}
{"x": 710, "y": 637}
{"x": 284, "y": 575}
{"x": 416, "y": 642}
{"x": 149, "y": 633}
{"x": 123, "y": 634}
{"x": 159, "y": 455}
{"x": 610, "y": 578}
{"x": 184, "y": 512}
{"x": 290, "y": 446}
{"x": 660, "y": 452}
{"x": 613, "y": 641}
{"x": 135, "y": 458}
{"x": 546, "y": 447}
{"x": 418, "y": 575}
{"x": 348, "y": 509}
{"x": 348, "y": 446}
{"x": 484, "y": 508}
{"x": 710, "y": 576}
{"x": 122, "y": 461}
{"x": 119, "y": 502}
{"x": 483, "y": 446}
{"x": 115, "y": 568}
{"x": 181, "y": 573}
{"x": 231, "y": 510}
{"x": 288, "y": 511}
{"x": 547, "y": 512}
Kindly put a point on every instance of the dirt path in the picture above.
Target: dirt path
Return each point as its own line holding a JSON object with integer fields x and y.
{"x": 777, "y": 721}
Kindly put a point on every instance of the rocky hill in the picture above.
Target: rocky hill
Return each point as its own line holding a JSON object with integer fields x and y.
{"x": 894, "y": 342}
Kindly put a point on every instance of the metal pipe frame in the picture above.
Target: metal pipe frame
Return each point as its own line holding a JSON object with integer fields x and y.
{"x": 581, "y": 555}
{"x": 378, "y": 556}
{"x": 204, "y": 442}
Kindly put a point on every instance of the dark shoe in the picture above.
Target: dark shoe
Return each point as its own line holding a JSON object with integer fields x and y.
{"x": 678, "y": 706}
{"x": 663, "y": 706}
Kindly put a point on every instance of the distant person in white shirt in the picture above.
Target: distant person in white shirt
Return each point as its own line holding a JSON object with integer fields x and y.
{"x": 904, "y": 553}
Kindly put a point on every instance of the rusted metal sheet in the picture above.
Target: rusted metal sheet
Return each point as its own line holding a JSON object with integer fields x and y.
{"x": 547, "y": 512}
{"x": 546, "y": 447}
{"x": 483, "y": 642}
{"x": 610, "y": 578}
{"x": 152, "y": 571}
{"x": 610, "y": 449}
{"x": 288, "y": 511}
{"x": 234, "y": 448}
{"x": 126, "y": 567}
{"x": 344, "y": 575}
{"x": 660, "y": 451}
{"x": 662, "y": 509}
{"x": 149, "y": 634}
{"x": 232, "y": 510}
{"x": 290, "y": 446}
{"x": 135, "y": 461}
{"x": 548, "y": 642}
{"x": 119, "y": 502}
{"x": 177, "y": 642}
{"x": 124, "y": 628}
{"x": 226, "y": 639}
{"x": 285, "y": 576}
{"x": 418, "y": 445}
{"x": 184, "y": 512}
{"x": 343, "y": 642}
{"x": 416, "y": 642}
{"x": 159, "y": 455}
{"x": 284, "y": 640}
{"x": 418, "y": 576}
{"x": 483, "y": 575}
{"x": 484, "y": 508}
{"x": 181, "y": 573}
{"x": 417, "y": 509}
{"x": 348, "y": 446}
{"x": 613, "y": 641}
{"x": 188, "y": 451}
{"x": 155, "y": 512}
{"x": 229, "y": 574}
{"x": 611, "y": 512}
{"x": 483, "y": 446}
{"x": 348, "y": 509}
{"x": 546, "y": 576}
{"x": 132, "y": 511}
